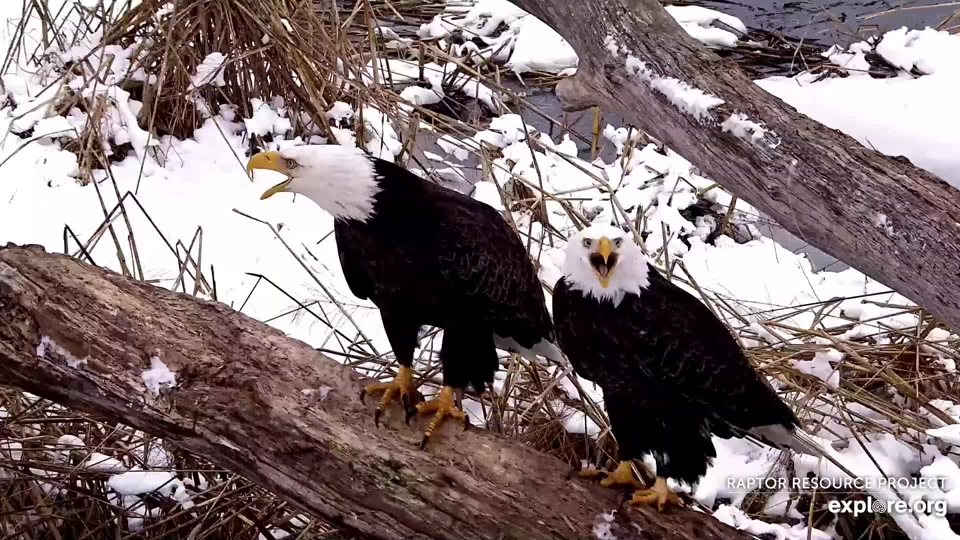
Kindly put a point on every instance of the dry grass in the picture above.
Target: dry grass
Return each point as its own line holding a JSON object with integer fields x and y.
{"x": 307, "y": 53}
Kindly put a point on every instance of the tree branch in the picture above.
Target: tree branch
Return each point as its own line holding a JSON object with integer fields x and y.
{"x": 239, "y": 402}
{"x": 816, "y": 182}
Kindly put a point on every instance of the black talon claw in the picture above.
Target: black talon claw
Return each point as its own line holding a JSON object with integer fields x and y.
{"x": 405, "y": 401}
{"x": 376, "y": 417}
{"x": 423, "y": 443}
{"x": 411, "y": 412}
{"x": 363, "y": 394}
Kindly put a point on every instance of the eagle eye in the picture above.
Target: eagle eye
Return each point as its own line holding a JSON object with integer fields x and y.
{"x": 292, "y": 164}
{"x": 617, "y": 242}
{"x": 587, "y": 243}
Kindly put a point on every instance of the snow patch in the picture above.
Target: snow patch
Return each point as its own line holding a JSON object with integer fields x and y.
{"x": 158, "y": 376}
{"x": 682, "y": 95}
{"x": 740, "y": 126}
{"x": 210, "y": 71}
{"x": 52, "y": 351}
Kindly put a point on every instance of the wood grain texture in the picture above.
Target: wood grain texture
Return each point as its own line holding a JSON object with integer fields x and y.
{"x": 818, "y": 183}
{"x": 240, "y": 403}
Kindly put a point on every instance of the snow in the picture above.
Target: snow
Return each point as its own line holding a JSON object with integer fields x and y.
{"x": 265, "y": 120}
{"x": 139, "y": 482}
{"x": 487, "y": 192}
{"x": 98, "y": 462}
{"x": 13, "y": 450}
{"x": 603, "y": 526}
{"x": 539, "y": 48}
{"x": 739, "y": 125}
{"x": 903, "y": 115}
{"x": 202, "y": 179}
{"x": 821, "y": 368}
{"x": 210, "y": 71}
{"x": 950, "y": 434}
{"x": 735, "y": 518}
{"x": 698, "y": 22}
{"x": 158, "y": 376}
{"x": 687, "y": 98}
{"x": 339, "y": 112}
{"x": 50, "y": 350}
{"x": 528, "y": 44}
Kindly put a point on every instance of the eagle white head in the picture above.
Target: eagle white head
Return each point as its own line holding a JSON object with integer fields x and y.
{"x": 340, "y": 179}
{"x": 604, "y": 262}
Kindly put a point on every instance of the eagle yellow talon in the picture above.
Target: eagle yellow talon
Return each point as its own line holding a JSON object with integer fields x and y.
{"x": 443, "y": 406}
{"x": 400, "y": 387}
{"x": 660, "y": 494}
{"x": 592, "y": 472}
{"x": 621, "y": 476}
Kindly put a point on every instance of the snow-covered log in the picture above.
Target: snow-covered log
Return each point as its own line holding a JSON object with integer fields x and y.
{"x": 896, "y": 223}
{"x": 238, "y": 392}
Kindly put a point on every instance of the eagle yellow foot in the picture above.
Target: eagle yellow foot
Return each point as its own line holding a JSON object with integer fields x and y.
{"x": 400, "y": 387}
{"x": 660, "y": 494}
{"x": 443, "y": 406}
{"x": 621, "y": 476}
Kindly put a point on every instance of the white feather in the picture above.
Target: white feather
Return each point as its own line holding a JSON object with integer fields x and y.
{"x": 544, "y": 348}
{"x": 797, "y": 440}
{"x": 340, "y": 179}
{"x": 628, "y": 276}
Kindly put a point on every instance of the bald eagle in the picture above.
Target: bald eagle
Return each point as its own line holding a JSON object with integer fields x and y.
{"x": 672, "y": 374}
{"x": 425, "y": 255}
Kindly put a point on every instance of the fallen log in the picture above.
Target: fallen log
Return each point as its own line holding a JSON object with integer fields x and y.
{"x": 894, "y": 222}
{"x": 240, "y": 400}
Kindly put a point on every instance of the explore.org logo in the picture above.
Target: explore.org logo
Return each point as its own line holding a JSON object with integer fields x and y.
{"x": 877, "y": 506}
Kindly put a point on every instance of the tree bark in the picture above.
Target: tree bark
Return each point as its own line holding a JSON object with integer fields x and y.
{"x": 818, "y": 183}
{"x": 240, "y": 402}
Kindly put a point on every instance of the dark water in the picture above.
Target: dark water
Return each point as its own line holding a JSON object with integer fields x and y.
{"x": 834, "y": 21}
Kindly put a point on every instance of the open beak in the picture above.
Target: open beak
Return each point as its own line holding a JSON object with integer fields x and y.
{"x": 270, "y": 161}
{"x": 603, "y": 261}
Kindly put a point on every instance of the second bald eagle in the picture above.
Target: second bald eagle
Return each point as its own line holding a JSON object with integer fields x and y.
{"x": 672, "y": 374}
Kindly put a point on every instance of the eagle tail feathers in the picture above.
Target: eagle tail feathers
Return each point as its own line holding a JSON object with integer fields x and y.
{"x": 544, "y": 348}
{"x": 794, "y": 438}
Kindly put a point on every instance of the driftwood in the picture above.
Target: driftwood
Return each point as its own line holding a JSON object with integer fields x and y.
{"x": 896, "y": 223}
{"x": 239, "y": 402}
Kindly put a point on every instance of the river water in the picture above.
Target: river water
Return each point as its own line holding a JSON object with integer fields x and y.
{"x": 835, "y": 21}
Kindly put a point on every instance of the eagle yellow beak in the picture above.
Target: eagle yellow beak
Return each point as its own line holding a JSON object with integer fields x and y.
{"x": 270, "y": 161}
{"x": 602, "y": 264}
